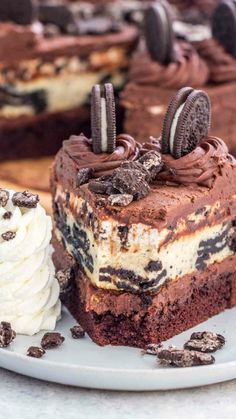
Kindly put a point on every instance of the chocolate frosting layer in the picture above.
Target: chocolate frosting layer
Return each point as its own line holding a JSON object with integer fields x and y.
{"x": 79, "y": 149}
{"x": 222, "y": 65}
{"x": 202, "y": 166}
{"x": 189, "y": 69}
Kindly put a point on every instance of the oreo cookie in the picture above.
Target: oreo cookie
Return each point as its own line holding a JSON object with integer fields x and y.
{"x": 21, "y": 11}
{"x": 103, "y": 119}
{"x": 224, "y": 25}
{"x": 186, "y": 122}
{"x": 58, "y": 15}
{"x": 158, "y": 31}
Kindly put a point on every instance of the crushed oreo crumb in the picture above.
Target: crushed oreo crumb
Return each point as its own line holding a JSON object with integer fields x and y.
{"x": 7, "y": 335}
{"x": 152, "y": 162}
{"x": 205, "y": 342}
{"x": 64, "y": 278}
{"x": 7, "y": 215}
{"x": 52, "y": 340}
{"x": 4, "y": 196}
{"x": 121, "y": 200}
{"x": 84, "y": 175}
{"x": 132, "y": 182}
{"x": 77, "y": 332}
{"x": 136, "y": 165}
{"x": 183, "y": 358}
{"x": 99, "y": 186}
{"x": 25, "y": 199}
{"x": 35, "y": 352}
{"x": 152, "y": 349}
{"x": 9, "y": 235}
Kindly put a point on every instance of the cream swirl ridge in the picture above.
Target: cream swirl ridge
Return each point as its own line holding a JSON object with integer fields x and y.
{"x": 202, "y": 166}
{"x": 189, "y": 69}
{"x": 79, "y": 148}
{"x": 29, "y": 291}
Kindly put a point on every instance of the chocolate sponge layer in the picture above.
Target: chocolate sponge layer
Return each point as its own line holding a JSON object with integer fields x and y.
{"x": 124, "y": 318}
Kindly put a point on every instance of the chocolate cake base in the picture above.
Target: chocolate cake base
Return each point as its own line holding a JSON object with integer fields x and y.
{"x": 145, "y": 108}
{"x": 124, "y": 318}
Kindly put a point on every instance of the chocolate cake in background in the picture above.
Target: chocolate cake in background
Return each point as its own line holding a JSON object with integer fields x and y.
{"x": 152, "y": 82}
{"x": 195, "y": 11}
{"x": 50, "y": 56}
{"x": 144, "y": 235}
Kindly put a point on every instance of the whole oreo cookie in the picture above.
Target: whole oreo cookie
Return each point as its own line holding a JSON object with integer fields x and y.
{"x": 20, "y": 11}
{"x": 224, "y": 25}
{"x": 103, "y": 119}
{"x": 187, "y": 121}
{"x": 158, "y": 31}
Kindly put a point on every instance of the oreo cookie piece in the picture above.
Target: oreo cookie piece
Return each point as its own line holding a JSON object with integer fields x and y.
{"x": 103, "y": 119}
{"x": 158, "y": 31}
{"x": 21, "y": 11}
{"x": 58, "y": 15}
{"x": 186, "y": 123}
{"x": 224, "y": 25}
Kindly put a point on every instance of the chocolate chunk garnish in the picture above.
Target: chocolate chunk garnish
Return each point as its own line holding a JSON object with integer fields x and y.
{"x": 9, "y": 235}
{"x": 136, "y": 165}
{"x": 131, "y": 182}
{"x": 186, "y": 122}
{"x": 7, "y": 215}
{"x": 152, "y": 162}
{"x": 7, "y": 335}
{"x": 84, "y": 175}
{"x": 35, "y": 352}
{"x": 152, "y": 349}
{"x": 122, "y": 200}
{"x": 205, "y": 342}
{"x": 21, "y": 11}
{"x": 25, "y": 199}
{"x": 183, "y": 358}
{"x": 99, "y": 186}
{"x": 4, "y": 196}
{"x": 77, "y": 332}
{"x": 52, "y": 340}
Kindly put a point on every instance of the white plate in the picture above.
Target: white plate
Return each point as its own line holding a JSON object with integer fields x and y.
{"x": 82, "y": 363}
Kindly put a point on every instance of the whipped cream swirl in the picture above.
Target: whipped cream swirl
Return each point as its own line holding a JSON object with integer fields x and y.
{"x": 189, "y": 69}
{"x": 29, "y": 291}
{"x": 80, "y": 150}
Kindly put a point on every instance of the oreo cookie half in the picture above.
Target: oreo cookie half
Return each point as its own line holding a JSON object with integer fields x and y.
{"x": 21, "y": 11}
{"x": 103, "y": 119}
{"x": 159, "y": 34}
{"x": 224, "y": 25}
{"x": 186, "y": 122}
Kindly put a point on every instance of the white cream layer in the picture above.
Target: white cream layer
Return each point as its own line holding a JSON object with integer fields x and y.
{"x": 29, "y": 291}
{"x": 145, "y": 244}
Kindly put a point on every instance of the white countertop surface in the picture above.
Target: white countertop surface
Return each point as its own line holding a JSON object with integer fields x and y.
{"x": 26, "y": 398}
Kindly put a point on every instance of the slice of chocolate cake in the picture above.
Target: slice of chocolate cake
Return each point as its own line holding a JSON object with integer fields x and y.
{"x": 49, "y": 59}
{"x": 145, "y": 241}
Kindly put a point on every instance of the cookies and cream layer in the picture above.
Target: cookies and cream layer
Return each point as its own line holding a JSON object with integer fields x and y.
{"x": 139, "y": 257}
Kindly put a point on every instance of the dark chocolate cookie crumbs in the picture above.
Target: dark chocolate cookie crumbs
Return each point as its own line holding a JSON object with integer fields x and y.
{"x": 205, "y": 342}
{"x": 183, "y": 358}
{"x": 152, "y": 162}
{"x": 35, "y": 352}
{"x": 64, "y": 279}
{"x": 4, "y": 196}
{"x": 7, "y": 335}
{"x": 7, "y": 215}
{"x": 9, "y": 235}
{"x": 25, "y": 199}
{"x": 84, "y": 175}
{"x": 132, "y": 182}
{"x": 152, "y": 349}
{"x": 136, "y": 165}
{"x": 99, "y": 186}
{"x": 77, "y": 332}
{"x": 52, "y": 340}
{"x": 122, "y": 200}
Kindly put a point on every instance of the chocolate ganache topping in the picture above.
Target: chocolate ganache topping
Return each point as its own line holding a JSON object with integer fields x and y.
{"x": 79, "y": 149}
{"x": 189, "y": 69}
{"x": 202, "y": 166}
{"x": 222, "y": 65}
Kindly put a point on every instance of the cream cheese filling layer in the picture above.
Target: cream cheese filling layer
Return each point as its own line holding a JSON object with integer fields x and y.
{"x": 145, "y": 262}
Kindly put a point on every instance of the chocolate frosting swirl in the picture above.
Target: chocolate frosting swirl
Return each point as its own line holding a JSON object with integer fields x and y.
{"x": 222, "y": 65}
{"x": 79, "y": 148}
{"x": 202, "y": 166}
{"x": 189, "y": 69}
